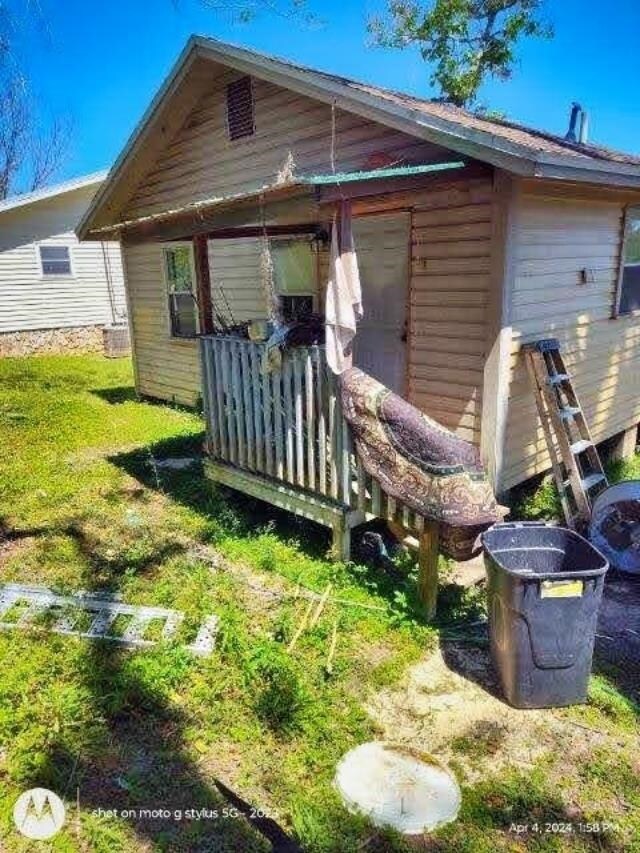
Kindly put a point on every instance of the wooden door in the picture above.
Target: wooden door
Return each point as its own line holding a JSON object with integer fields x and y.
{"x": 382, "y": 246}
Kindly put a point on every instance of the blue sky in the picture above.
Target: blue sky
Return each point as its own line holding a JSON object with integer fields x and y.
{"x": 102, "y": 63}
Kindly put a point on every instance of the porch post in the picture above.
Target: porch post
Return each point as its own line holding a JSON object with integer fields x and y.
{"x": 203, "y": 283}
{"x": 428, "y": 552}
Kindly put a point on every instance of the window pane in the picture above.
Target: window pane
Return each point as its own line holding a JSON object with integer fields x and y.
{"x": 183, "y": 315}
{"x": 54, "y": 253}
{"x": 296, "y": 307}
{"x": 630, "y": 284}
{"x": 632, "y": 240}
{"x": 55, "y": 260}
{"x": 630, "y": 292}
{"x": 294, "y": 266}
{"x": 179, "y": 271}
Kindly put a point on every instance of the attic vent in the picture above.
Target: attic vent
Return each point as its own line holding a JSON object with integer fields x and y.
{"x": 240, "y": 108}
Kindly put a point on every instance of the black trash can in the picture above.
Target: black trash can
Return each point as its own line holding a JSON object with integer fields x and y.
{"x": 544, "y": 590}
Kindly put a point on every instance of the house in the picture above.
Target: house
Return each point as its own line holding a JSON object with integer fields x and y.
{"x": 473, "y": 236}
{"x": 56, "y": 294}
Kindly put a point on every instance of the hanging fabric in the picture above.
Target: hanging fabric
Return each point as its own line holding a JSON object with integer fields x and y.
{"x": 343, "y": 304}
{"x": 420, "y": 463}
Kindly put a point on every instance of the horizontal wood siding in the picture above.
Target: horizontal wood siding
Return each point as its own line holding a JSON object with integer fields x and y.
{"x": 165, "y": 367}
{"x": 202, "y": 162}
{"x": 557, "y": 237}
{"x": 450, "y": 267}
{"x": 30, "y": 301}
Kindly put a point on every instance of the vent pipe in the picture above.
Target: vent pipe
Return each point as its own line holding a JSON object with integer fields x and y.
{"x": 576, "y": 110}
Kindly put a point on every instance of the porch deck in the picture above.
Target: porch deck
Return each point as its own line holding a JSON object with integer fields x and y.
{"x": 281, "y": 437}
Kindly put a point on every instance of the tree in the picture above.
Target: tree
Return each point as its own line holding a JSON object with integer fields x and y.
{"x": 466, "y": 41}
{"x": 31, "y": 148}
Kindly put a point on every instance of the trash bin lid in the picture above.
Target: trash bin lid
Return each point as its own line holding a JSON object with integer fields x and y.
{"x": 615, "y": 525}
{"x": 397, "y": 787}
{"x": 535, "y": 550}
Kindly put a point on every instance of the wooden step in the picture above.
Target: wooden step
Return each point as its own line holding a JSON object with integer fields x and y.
{"x": 579, "y": 447}
{"x": 558, "y": 378}
{"x": 592, "y": 480}
{"x": 569, "y": 412}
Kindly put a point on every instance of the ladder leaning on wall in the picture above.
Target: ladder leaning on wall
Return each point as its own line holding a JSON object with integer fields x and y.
{"x": 576, "y": 464}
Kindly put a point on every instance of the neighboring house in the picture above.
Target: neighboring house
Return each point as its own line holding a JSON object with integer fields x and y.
{"x": 474, "y": 236}
{"x": 56, "y": 294}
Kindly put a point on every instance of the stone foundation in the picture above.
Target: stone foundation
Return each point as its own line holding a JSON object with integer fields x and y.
{"x": 74, "y": 339}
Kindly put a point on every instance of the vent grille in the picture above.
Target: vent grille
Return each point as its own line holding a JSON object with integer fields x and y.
{"x": 240, "y": 120}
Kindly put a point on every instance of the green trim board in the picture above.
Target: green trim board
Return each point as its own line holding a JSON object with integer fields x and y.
{"x": 379, "y": 174}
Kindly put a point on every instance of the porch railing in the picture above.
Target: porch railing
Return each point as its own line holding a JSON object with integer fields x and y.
{"x": 287, "y": 424}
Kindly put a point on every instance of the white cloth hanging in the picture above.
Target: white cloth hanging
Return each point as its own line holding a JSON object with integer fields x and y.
{"x": 343, "y": 303}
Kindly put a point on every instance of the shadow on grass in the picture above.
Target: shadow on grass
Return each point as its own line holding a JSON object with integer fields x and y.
{"x": 141, "y": 766}
{"x": 135, "y": 765}
{"x": 136, "y": 760}
{"x": 229, "y": 512}
{"x": 115, "y": 396}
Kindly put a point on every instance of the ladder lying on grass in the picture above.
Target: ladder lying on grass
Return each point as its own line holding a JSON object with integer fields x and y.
{"x": 63, "y": 614}
{"x": 576, "y": 464}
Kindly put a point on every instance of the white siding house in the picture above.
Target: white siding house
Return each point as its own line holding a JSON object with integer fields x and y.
{"x": 55, "y": 292}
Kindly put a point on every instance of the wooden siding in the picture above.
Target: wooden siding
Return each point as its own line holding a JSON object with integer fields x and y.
{"x": 557, "y": 237}
{"x": 166, "y": 367}
{"x": 449, "y": 283}
{"x": 450, "y": 275}
{"x": 30, "y": 301}
{"x": 201, "y": 161}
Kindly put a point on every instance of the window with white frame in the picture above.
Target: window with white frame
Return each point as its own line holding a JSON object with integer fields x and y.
{"x": 629, "y": 288}
{"x": 180, "y": 279}
{"x": 55, "y": 260}
{"x": 295, "y": 276}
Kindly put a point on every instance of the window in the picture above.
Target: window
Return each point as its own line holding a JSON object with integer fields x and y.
{"x": 294, "y": 273}
{"x": 629, "y": 297}
{"x": 240, "y": 120}
{"x": 55, "y": 260}
{"x": 180, "y": 279}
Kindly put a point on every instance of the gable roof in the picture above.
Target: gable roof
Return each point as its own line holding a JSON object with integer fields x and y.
{"x": 24, "y": 199}
{"x": 514, "y": 147}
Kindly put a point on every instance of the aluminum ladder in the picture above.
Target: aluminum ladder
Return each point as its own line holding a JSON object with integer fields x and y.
{"x": 576, "y": 463}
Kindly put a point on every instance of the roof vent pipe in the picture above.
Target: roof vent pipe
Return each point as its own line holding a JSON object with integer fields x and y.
{"x": 576, "y": 110}
{"x": 583, "y": 135}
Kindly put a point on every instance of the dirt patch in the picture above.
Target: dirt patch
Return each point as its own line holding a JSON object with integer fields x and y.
{"x": 449, "y": 706}
{"x": 10, "y": 548}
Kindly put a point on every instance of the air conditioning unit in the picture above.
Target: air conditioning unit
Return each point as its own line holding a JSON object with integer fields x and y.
{"x": 116, "y": 341}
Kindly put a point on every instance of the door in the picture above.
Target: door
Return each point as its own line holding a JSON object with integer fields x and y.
{"x": 382, "y": 246}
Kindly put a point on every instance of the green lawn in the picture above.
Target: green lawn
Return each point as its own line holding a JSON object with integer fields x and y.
{"x": 83, "y": 505}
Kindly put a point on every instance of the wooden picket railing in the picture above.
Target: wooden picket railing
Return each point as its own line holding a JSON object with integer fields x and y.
{"x": 287, "y": 425}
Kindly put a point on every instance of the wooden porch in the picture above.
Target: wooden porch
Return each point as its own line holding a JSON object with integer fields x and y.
{"x": 280, "y": 436}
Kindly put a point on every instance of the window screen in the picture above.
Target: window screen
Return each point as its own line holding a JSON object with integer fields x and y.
{"x": 294, "y": 274}
{"x": 240, "y": 120}
{"x": 294, "y": 266}
{"x": 55, "y": 260}
{"x": 630, "y": 279}
{"x": 183, "y": 309}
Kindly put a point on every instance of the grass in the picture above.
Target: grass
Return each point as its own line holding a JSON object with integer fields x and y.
{"x": 255, "y": 725}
